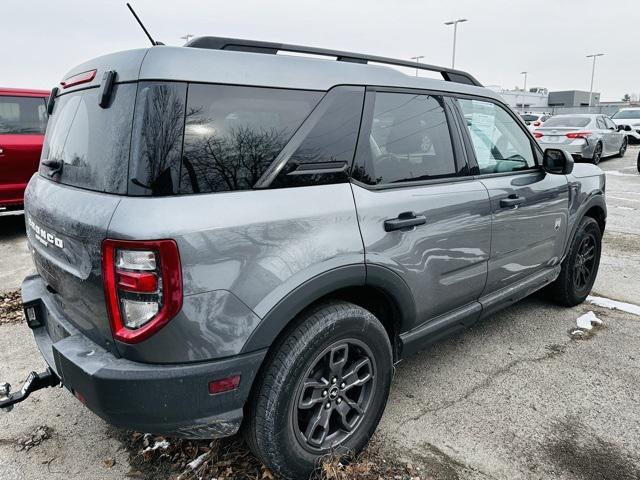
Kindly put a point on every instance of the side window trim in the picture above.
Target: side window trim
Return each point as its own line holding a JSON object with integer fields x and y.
{"x": 459, "y": 151}
{"x": 535, "y": 147}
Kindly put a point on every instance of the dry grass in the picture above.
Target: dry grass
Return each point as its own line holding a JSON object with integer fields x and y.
{"x": 11, "y": 307}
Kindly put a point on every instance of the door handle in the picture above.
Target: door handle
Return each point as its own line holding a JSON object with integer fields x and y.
{"x": 404, "y": 220}
{"x": 512, "y": 201}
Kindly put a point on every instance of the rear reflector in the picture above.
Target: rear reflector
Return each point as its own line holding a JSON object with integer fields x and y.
{"x": 224, "y": 385}
{"x": 84, "y": 77}
{"x": 538, "y": 135}
{"x": 143, "y": 286}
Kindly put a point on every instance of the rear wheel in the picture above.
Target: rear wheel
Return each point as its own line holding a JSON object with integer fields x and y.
{"x": 580, "y": 267}
{"x": 323, "y": 390}
{"x": 597, "y": 154}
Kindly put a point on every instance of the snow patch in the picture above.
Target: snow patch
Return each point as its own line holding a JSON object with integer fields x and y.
{"x": 614, "y": 305}
{"x": 198, "y": 461}
{"x": 587, "y": 321}
{"x": 615, "y": 173}
{"x": 162, "y": 444}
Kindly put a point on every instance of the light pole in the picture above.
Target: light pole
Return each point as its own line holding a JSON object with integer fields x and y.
{"x": 524, "y": 95}
{"x": 417, "y": 59}
{"x": 455, "y": 35}
{"x": 187, "y": 37}
{"x": 593, "y": 72}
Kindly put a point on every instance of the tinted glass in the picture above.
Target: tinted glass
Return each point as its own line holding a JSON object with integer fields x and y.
{"x": 577, "y": 122}
{"x": 92, "y": 142}
{"x": 22, "y": 115}
{"x": 529, "y": 118}
{"x": 499, "y": 143}
{"x": 157, "y": 141}
{"x": 600, "y": 123}
{"x": 330, "y": 142}
{"x": 232, "y": 134}
{"x": 627, "y": 114}
{"x": 409, "y": 140}
{"x": 609, "y": 123}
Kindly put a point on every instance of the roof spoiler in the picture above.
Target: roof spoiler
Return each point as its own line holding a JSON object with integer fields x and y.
{"x": 270, "y": 48}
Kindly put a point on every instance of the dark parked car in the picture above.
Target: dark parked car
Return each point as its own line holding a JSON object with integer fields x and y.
{"x": 23, "y": 119}
{"x": 228, "y": 239}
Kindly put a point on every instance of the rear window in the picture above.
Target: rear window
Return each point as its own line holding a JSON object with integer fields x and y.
{"x": 529, "y": 118}
{"x": 577, "y": 122}
{"x": 92, "y": 142}
{"x": 232, "y": 134}
{"x": 22, "y": 115}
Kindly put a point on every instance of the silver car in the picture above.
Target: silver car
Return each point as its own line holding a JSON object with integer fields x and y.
{"x": 584, "y": 136}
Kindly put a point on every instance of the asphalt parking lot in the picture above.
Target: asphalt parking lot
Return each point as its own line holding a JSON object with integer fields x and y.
{"x": 517, "y": 396}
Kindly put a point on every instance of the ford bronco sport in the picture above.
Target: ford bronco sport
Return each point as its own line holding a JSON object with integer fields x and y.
{"x": 231, "y": 239}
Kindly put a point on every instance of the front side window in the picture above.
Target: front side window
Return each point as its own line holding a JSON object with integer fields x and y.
{"x": 22, "y": 116}
{"x": 499, "y": 143}
{"x": 232, "y": 134}
{"x": 409, "y": 140}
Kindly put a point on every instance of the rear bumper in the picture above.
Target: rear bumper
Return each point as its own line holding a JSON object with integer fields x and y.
{"x": 163, "y": 399}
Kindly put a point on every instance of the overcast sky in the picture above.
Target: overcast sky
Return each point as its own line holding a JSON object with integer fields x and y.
{"x": 41, "y": 40}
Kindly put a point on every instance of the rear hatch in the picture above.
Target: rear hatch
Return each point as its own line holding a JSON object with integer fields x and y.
{"x": 68, "y": 209}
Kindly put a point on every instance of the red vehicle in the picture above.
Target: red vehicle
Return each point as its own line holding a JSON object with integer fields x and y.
{"x": 23, "y": 119}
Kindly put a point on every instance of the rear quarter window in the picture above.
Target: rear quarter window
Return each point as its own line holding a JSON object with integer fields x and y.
{"x": 92, "y": 142}
{"x": 22, "y": 115}
{"x": 232, "y": 134}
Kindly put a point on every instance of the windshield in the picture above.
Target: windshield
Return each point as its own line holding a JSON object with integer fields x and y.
{"x": 575, "y": 122}
{"x": 22, "y": 115}
{"x": 627, "y": 114}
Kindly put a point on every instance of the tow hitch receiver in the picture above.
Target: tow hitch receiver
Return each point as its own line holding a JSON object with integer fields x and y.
{"x": 35, "y": 381}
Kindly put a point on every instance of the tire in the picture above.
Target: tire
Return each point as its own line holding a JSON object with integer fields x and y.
{"x": 623, "y": 147}
{"x": 638, "y": 163}
{"x": 571, "y": 287}
{"x": 291, "y": 439}
{"x": 597, "y": 154}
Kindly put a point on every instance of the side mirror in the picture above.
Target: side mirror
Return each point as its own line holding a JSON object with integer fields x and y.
{"x": 557, "y": 161}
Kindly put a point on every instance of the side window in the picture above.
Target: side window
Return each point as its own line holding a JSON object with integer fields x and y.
{"x": 610, "y": 123}
{"x": 232, "y": 134}
{"x": 601, "y": 124}
{"x": 409, "y": 140}
{"x": 327, "y": 142}
{"x": 499, "y": 143}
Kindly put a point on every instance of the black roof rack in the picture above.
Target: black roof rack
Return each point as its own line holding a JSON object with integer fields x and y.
{"x": 240, "y": 45}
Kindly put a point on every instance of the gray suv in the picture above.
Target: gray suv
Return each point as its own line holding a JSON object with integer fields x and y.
{"x": 231, "y": 239}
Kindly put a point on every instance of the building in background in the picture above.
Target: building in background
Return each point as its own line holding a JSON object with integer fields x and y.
{"x": 521, "y": 101}
{"x": 572, "y": 98}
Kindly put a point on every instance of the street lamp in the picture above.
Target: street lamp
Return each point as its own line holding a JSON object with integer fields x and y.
{"x": 187, "y": 37}
{"x": 455, "y": 34}
{"x": 524, "y": 95}
{"x": 417, "y": 59}
{"x": 593, "y": 72}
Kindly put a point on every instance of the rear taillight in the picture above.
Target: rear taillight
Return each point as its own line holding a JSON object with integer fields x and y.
{"x": 143, "y": 286}
{"x": 579, "y": 134}
{"x": 538, "y": 134}
{"x": 537, "y": 124}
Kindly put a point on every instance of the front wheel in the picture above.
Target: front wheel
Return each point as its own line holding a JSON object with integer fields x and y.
{"x": 323, "y": 390}
{"x": 623, "y": 147}
{"x": 597, "y": 154}
{"x": 580, "y": 267}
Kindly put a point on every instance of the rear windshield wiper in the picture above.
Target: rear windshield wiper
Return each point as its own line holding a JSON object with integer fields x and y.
{"x": 54, "y": 165}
